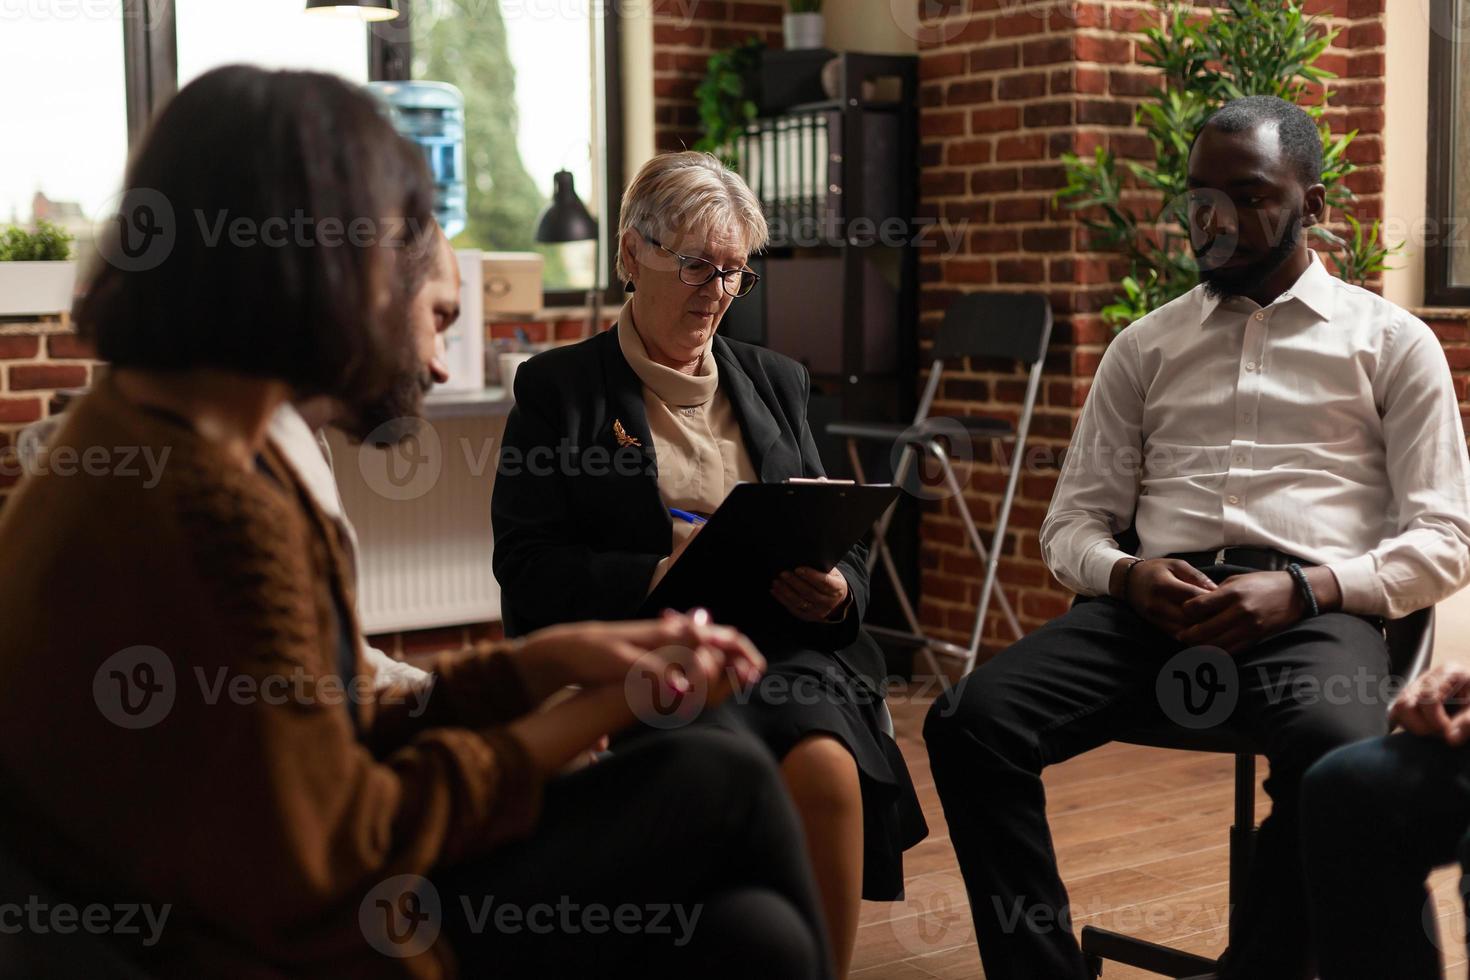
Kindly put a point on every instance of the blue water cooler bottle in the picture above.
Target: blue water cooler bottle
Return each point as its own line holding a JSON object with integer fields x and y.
{"x": 432, "y": 115}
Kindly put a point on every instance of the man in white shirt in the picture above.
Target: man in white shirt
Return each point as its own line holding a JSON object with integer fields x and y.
{"x": 295, "y": 431}
{"x": 1287, "y": 452}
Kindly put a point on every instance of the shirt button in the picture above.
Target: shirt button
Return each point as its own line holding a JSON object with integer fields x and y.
{"x": 1260, "y": 316}
{"x": 1250, "y": 365}
{"x": 1232, "y": 499}
{"x": 1240, "y": 459}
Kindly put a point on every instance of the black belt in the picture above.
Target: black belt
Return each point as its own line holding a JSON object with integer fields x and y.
{"x": 1261, "y": 559}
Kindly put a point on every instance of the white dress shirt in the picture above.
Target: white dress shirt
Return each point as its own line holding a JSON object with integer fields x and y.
{"x": 307, "y": 454}
{"x": 1324, "y": 425}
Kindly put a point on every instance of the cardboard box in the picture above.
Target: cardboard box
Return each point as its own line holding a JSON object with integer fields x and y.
{"x": 513, "y": 282}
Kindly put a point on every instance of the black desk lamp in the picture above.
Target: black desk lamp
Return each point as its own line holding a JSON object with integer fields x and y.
{"x": 361, "y": 9}
{"x": 566, "y": 220}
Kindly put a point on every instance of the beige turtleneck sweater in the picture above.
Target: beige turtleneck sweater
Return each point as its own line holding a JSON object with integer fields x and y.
{"x": 696, "y": 438}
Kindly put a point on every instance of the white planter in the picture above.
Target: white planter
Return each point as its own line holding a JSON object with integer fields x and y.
{"x": 32, "y": 288}
{"x": 802, "y": 31}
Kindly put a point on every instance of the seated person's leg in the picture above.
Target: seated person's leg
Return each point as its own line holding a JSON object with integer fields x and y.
{"x": 1066, "y": 688}
{"x": 689, "y": 837}
{"x": 1375, "y": 818}
{"x": 822, "y": 777}
{"x": 1306, "y": 690}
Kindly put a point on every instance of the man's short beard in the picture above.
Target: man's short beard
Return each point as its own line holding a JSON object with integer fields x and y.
{"x": 393, "y": 416}
{"x": 1229, "y": 283}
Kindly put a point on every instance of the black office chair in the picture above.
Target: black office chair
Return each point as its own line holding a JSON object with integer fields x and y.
{"x": 1410, "y": 646}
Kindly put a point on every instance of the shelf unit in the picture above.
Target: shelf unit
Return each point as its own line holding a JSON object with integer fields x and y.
{"x": 839, "y": 289}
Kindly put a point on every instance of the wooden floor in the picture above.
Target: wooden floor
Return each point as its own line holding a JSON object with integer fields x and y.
{"x": 1141, "y": 838}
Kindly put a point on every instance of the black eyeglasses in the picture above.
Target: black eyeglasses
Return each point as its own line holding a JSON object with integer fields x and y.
{"x": 694, "y": 271}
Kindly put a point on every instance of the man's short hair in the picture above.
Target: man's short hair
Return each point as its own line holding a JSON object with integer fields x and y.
{"x": 326, "y": 195}
{"x": 1301, "y": 142}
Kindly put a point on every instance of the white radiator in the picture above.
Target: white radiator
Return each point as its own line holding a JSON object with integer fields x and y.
{"x": 422, "y": 514}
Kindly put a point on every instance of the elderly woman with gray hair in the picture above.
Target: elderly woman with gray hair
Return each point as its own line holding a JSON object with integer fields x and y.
{"x": 659, "y": 414}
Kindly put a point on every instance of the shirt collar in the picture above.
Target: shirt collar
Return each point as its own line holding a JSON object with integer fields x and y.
{"x": 672, "y": 387}
{"x": 1313, "y": 288}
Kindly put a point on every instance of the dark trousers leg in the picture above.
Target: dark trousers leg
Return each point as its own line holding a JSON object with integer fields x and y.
{"x": 1066, "y": 688}
{"x": 692, "y": 826}
{"x": 1376, "y": 818}
{"x": 1305, "y": 691}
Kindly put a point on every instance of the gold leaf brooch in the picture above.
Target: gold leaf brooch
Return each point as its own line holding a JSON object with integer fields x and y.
{"x": 621, "y": 435}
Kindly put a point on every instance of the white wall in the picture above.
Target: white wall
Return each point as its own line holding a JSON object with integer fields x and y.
{"x": 1405, "y": 145}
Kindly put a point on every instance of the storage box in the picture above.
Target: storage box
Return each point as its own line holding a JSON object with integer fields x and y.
{"x": 513, "y": 282}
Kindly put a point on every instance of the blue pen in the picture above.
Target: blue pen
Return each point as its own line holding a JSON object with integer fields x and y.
{"x": 684, "y": 515}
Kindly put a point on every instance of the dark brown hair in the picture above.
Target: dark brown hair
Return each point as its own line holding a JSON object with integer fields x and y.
{"x": 275, "y": 210}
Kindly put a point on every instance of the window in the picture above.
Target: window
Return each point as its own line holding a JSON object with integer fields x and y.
{"x": 1447, "y": 250}
{"x": 267, "y": 33}
{"x": 64, "y": 115}
{"x": 538, "y": 86}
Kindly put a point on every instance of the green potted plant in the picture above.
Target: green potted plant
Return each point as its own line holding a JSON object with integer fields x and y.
{"x": 803, "y": 24}
{"x": 36, "y": 274}
{"x": 727, "y": 98}
{"x": 1245, "y": 47}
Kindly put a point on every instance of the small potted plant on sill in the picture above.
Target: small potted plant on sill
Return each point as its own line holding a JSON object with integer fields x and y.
{"x": 37, "y": 276}
{"x": 803, "y": 25}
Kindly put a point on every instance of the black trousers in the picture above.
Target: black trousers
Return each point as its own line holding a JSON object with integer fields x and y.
{"x": 678, "y": 856}
{"x": 1079, "y": 681}
{"x": 1376, "y": 818}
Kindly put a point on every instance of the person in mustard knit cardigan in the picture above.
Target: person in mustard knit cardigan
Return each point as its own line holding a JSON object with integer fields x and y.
{"x": 187, "y": 724}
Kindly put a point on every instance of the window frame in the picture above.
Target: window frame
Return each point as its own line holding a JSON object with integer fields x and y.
{"x": 390, "y": 59}
{"x": 150, "y": 63}
{"x": 1445, "y": 103}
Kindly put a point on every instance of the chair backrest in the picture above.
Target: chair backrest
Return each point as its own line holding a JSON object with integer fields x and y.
{"x": 1011, "y": 325}
{"x": 1410, "y": 642}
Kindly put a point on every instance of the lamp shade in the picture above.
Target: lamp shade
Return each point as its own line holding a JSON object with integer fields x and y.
{"x": 361, "y": 9}
{"x": 565, "y": 218}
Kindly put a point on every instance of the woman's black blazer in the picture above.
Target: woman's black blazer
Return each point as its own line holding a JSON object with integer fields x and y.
{"x": 577, "y": 517}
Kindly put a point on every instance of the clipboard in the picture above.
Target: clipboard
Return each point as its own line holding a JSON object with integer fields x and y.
{"x": 762, "y": 529}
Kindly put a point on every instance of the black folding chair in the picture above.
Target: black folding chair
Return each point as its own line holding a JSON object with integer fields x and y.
{"x": 1010, "y": 326}
{"x": 1410, "y": 646}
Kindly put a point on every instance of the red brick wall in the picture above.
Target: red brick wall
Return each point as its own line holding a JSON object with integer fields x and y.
{"x": 685, "y": 34}
{"x": 37, "y": 357}
{"x": 1007, "y": 87}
